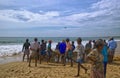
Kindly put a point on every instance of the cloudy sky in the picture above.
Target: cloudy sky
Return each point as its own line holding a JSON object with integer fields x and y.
{"x": 59, "y": 18}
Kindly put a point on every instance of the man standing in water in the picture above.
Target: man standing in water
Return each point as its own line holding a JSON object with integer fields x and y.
{"x": 25, "y": 49}
{"x": 34, "y": 47}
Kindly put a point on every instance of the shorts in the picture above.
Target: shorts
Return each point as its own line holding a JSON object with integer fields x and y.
{"x": 49, "y": 53}
{"x": 34, "y": 54}
{"x": 43, "y": 52}
{"x": 26, "y": 51}
{"x": 111, "y": 52}
{"x": 57, "y": 52}
{"x": 79, "y": 60}
{"x": 70, "y": 54}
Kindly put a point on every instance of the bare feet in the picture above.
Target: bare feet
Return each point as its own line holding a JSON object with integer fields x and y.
{"x": 77, "y": 75}
{"x": 40, "y": 62}
{"x": 29, "y": 65}
{"x": 85, "y": 71}
{"x": 71, "y": 65}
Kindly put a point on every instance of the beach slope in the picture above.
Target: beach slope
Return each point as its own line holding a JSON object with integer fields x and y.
{"x": 51, "y": 70}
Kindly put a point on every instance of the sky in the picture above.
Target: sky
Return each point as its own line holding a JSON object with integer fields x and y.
{"x": 59, "y": 18}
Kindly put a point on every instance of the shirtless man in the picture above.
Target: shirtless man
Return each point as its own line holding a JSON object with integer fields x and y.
{"x": 25, "y": 49}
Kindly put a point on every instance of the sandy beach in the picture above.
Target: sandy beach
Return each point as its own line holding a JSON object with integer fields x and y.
{"x": 56, "y": 33}
{"x": 54, "y": 70}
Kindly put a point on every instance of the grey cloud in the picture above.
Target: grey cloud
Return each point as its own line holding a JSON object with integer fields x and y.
{"x": 21, "y": 18}
{"x": 102, "y": 20}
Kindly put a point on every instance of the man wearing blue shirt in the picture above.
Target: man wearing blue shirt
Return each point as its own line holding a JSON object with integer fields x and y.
{"x": 62, "y": 49}
{"x": 112, "y": 46}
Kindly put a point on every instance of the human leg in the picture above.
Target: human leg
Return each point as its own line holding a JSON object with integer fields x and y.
{"x": 40, "y": 59}
{"x": 80, "y": 61}
{"x": 105, "y": 67}
{"x": 30, "y": 61}
{"x": 84, "y": 68}
{"x": 36, "y": 58}
{"x": 64, "y": 60}
{"x": 35, "y": 62}
{"x": 58, "y": 58}
{"x": 78, "y": 70}
{"x": 23, "y": 56}
{"x": 27, "y": 57}
{"x": 113, "y": 52}
{"x": 71, "y": 62}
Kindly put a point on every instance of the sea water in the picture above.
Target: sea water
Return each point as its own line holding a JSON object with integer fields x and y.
{"x": 13, "y": 45}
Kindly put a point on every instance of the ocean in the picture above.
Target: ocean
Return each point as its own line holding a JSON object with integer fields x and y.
{"x": 13, "y": 45}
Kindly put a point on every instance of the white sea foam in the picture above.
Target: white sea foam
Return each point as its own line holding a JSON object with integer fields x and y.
{"x": 10, "y": 49}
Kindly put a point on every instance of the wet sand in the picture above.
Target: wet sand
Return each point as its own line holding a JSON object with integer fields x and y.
{"x": 8, "y": 59}
{"x": 54, "y": 70}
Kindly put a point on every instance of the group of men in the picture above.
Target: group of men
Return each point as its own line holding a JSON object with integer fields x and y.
{"x": 36, "y": 50}
{"x": 66, "y": 50}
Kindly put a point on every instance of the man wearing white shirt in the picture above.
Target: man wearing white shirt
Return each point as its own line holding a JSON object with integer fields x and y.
{"x": 80, "y": 51}
{"x": 34, "y": 48}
